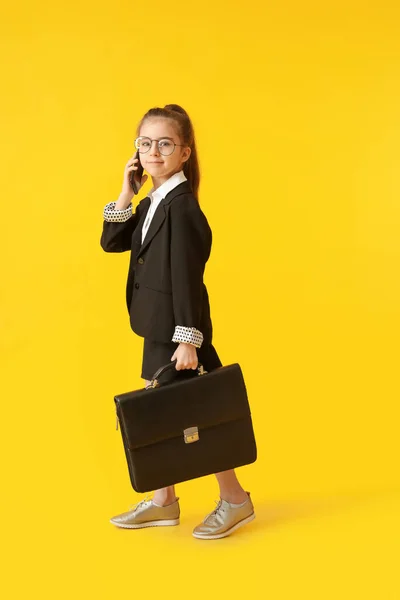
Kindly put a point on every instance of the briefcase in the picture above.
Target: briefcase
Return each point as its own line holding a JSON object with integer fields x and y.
{"x": 187, "y": 428}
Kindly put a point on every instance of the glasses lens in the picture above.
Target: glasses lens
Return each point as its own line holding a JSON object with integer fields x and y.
{"x": 143, "y": 144}
{"x": 166, "y": 147}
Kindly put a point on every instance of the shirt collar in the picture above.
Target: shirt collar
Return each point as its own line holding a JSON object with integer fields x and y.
{"x": 167, "y": 186}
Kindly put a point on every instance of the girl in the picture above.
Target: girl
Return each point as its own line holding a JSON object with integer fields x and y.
{"x": 170, "y": 242}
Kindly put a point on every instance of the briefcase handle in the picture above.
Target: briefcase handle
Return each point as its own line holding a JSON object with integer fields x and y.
{"x": 154, "y": 381}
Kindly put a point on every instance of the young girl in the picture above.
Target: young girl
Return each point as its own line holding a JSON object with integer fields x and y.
{"x": 170, "y": 242}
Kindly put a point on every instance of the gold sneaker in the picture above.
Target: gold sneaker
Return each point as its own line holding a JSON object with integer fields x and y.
{"x": 224, "y": 520}
{"x": 148, "y": 514}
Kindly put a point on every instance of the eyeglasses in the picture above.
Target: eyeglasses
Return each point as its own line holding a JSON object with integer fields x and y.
{"x": 166, "y": 146}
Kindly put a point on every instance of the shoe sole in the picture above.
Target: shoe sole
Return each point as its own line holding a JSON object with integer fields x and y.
{"x": 217, "y": 536}
{"x": 161, "y": 523}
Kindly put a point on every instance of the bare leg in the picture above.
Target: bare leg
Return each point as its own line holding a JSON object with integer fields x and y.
{"x": 165, "y": 495}
{"x": 230, "y": 488}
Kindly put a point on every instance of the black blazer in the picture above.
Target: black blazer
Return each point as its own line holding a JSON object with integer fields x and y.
{"x": 165, "y": 284}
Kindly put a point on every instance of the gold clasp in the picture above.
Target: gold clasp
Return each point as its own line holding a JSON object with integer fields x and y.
{"x": 153, "y": 384}
{"x": 191, "y": 434}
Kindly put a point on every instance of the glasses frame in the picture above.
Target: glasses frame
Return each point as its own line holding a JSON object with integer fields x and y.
{"x": 158, "y": 146}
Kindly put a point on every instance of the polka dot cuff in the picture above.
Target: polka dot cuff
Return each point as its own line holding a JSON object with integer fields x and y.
{"x": 116, "y": 216}
{"x": 189, "y": 335}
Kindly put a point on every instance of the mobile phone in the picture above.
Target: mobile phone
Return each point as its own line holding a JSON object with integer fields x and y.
{"x": 138, "y": 174}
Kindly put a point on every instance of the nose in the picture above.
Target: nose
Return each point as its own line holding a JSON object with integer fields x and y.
{"x": 154, "y": 151}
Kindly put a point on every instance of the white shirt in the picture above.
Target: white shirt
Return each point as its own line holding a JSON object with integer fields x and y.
{"x": 159, "y": 194}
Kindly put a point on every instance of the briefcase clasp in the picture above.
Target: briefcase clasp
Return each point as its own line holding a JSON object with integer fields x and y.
{"x": 191, "y": 434}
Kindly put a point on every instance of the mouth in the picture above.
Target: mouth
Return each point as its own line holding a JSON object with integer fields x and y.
{"x": 159, "y": 162}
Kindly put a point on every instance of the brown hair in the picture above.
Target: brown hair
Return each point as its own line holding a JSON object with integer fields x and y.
{"x": 185, "y": 130}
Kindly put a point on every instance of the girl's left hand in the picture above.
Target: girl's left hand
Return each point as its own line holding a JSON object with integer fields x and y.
{"x": 186, "y": 356}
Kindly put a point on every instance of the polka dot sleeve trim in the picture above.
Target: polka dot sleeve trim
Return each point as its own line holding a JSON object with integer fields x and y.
{"x": 112, "y": 215}
{"x": 189, "y": 335}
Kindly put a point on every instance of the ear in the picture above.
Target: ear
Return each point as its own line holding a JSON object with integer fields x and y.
{"x": 186, "y": 153}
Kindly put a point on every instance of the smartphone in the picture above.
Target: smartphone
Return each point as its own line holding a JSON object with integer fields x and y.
{"x": 133, "y": 175}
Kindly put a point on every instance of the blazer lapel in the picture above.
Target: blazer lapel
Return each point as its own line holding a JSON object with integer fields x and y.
{"x": 160, "y": 214}
{"x": 137, "y": 234}
{"x": 156, "y": 222}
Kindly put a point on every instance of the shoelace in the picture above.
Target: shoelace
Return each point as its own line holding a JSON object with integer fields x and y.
{"x": 138, "y": 504}
{"x": 216, "y": 509}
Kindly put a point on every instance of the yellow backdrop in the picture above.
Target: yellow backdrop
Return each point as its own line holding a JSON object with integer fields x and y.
{"x": 296, "y": 113}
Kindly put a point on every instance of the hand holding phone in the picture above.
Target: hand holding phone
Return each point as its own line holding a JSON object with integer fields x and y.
{"x": 133, "y": 176}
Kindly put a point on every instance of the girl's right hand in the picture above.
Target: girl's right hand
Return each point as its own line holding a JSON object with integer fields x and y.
{"x": 132, "y": 165}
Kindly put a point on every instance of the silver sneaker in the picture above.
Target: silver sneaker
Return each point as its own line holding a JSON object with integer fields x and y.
{"x": 148, "y": 514}
{"x": 224, "y": 520}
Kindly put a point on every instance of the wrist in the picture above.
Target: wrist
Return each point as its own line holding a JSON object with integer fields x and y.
{"x": 123, "y": 201}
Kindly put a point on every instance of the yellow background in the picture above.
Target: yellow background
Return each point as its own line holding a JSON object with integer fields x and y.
{"x": 296, "y": 113}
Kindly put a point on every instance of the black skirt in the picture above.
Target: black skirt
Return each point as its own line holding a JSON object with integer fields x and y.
{"x": 158, "y": 354}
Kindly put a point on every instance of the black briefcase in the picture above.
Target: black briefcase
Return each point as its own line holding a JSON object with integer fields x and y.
{"x": 187, "y": 428}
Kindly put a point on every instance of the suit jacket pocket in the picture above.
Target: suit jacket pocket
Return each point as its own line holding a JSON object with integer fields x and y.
{"x": 155, "y": 288}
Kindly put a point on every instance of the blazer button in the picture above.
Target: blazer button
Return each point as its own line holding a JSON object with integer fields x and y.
{"x": 140, "y": 260}
{"x": 136, "y": 285}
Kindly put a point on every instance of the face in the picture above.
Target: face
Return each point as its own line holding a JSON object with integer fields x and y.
{"x": 158, "y": 165}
